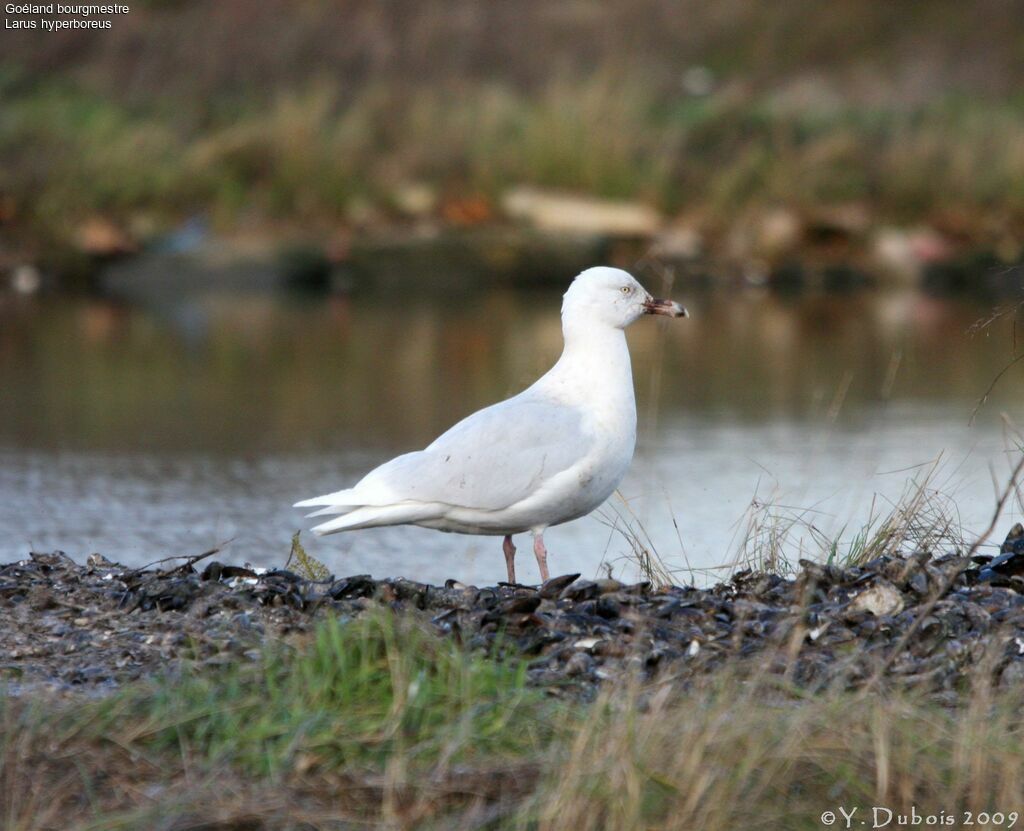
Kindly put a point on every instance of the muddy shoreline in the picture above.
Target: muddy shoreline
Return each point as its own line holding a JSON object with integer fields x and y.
{"x": 916, "y": 622}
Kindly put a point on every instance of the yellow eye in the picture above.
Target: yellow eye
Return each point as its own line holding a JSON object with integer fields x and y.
{"x": 625, "y": 289}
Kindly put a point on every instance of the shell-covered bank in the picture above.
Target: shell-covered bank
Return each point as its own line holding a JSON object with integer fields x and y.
{"x": 919, "y": 621}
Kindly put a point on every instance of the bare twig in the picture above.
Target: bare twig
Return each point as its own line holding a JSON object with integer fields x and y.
{"x": 992, "y": 386}
{"x": 189, "y": 561}
{"x": 1000, "y": 312}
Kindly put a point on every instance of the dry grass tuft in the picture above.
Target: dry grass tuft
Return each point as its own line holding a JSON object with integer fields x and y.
{"x": 923, "y": 519}
{"x": 734, "y": 753}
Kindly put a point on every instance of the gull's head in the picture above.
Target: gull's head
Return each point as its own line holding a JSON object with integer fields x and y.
{"x": 613, "y": 297}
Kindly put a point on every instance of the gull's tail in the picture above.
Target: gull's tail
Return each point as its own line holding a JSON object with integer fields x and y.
{"x": 356, "y": 514}
{"x": 338, "y": 499}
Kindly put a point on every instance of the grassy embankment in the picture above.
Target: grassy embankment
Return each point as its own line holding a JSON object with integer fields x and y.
{"x": 281, "y": 119}
{"x": 308, "y": 158}
{"x": 376, "y": 721}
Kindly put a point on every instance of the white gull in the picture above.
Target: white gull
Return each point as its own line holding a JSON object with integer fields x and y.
{"x": 550, "y": 454}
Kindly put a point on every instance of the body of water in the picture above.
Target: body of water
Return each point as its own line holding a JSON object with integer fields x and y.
{"x": 148, "y": 430}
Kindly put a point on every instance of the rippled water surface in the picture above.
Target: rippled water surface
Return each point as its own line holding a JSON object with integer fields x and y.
{"x": 145, "y": 430}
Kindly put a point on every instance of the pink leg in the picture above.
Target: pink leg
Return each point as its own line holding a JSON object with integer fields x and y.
{"x": 541, "y": 553}
{"x": 510, "y": 557}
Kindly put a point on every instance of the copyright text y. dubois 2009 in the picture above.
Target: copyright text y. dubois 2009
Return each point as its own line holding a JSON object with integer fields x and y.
{"x": 878, "y": 816}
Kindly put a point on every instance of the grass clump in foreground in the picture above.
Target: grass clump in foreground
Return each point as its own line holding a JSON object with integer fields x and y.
{"x": 359, "y": 693}
{"x": 364, "y": 714}
{"x": 379, "y": 723}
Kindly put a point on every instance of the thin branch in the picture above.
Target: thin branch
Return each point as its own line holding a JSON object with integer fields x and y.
{"x": 992, "y": 386}
{"x": 189, "y": 561}
{"x": 1000, "y": 312}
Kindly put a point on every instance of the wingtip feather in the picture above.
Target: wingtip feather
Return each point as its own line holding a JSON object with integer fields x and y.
{"x": 330, "y": 509}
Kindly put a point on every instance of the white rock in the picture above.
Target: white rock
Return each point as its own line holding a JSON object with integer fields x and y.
{"x": 566, "y": 213}
{"x": 681, "y": 243}
{"x": 26, "y": 279}
{"x": 415, "y": 199}
{"x": 881, "y": 599}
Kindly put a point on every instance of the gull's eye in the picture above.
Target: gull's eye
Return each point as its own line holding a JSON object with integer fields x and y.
{"x": 625, "y": 289}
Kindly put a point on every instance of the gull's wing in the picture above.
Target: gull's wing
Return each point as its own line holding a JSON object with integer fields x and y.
{"x": 489, "y": 461}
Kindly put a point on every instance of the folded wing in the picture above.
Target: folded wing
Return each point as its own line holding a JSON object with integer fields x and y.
{"x": 489, "y": 461}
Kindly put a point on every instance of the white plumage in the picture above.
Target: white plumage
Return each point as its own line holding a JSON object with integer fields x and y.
{"x": 548, "y": 455}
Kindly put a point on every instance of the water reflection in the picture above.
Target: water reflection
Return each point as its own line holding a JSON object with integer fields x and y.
{"x": 148, "y": 431}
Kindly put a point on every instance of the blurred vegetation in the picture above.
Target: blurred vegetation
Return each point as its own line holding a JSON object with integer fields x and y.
{"x": 317, "y": 112}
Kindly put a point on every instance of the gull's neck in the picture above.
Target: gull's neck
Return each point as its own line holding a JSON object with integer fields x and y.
{"x": 594, "y": 366}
